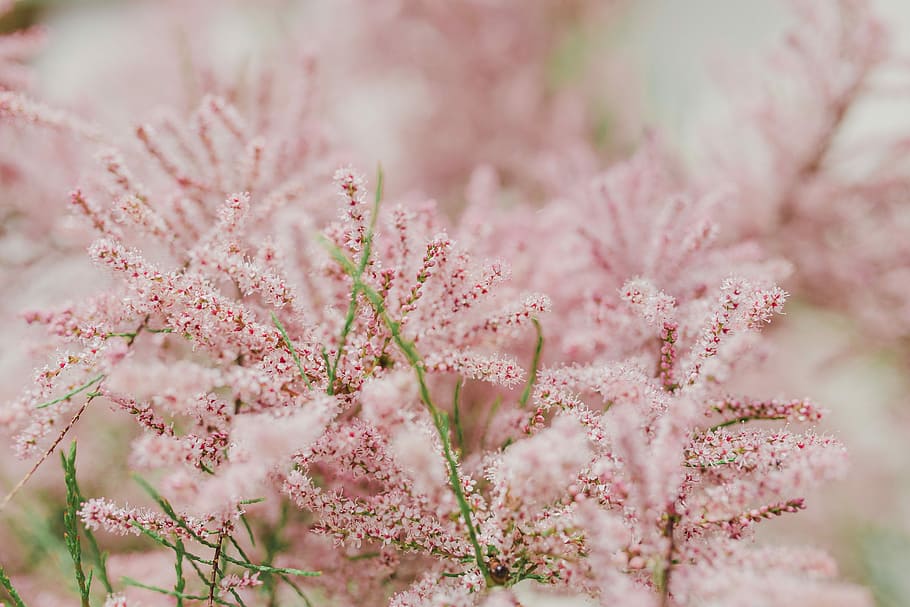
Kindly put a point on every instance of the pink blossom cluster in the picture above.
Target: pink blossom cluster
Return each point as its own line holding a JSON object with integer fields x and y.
{"x": 333, "y": 391}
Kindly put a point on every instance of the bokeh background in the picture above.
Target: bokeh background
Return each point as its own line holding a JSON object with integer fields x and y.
{"x": 633, "y": 68}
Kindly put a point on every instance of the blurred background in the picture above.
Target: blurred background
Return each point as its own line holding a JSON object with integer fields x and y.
{"x": 451, "y": 89}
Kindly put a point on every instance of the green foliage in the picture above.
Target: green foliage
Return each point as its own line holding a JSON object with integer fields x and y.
{"x": 72, "y": 393}
{"x": 217, "y": 564}
{"x": 8, "y": 586}
{"x": 95, "y": 554}
{"x": 71, "y": 524}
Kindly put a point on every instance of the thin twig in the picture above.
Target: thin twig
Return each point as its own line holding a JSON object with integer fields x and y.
{"x": 50, "y": 450}
{"x": 214, "y": 579}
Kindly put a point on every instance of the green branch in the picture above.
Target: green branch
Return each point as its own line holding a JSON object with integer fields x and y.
{"x": 71, "y": 523}
{"x": 73, "y": 393}
{"x": 128, "y": 581}
{"x": 169, "y": 511}
{"x": 8, "y": 586}
{"x": 180, "y": 584}
{"x": 208, "y": 562}
{"x": 98, "y": 557}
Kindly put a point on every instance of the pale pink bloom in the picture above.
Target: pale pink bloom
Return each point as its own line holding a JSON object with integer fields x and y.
{"x": 459, "y": 591}
{"x": 262, "y": 443}
{"x": 539, "y": 470}
{"x": 118, "y": 600}
{"x": 236, "y": 582}
{"x": 270, "y": 332}
{"x": 100, "y": 513}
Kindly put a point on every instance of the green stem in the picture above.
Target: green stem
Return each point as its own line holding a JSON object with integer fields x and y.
{"x": 535, "y": 362}
{"x": 723, "y": 462}
{"x": 456, "y": 414}
{"x": 742, "y": 420}
{"x": 355, "y": 291}
{"x": 73, "y": 393}
{"x": 8, "y": 586}
{"x": 98, "y": 557}
{"x": 179, "y": 595}
{"x": 291, "y": 349}
{"x": 71, "y": 523}
{"x": 440, "y": 419}
{"x": 202, "y": 561}
{"x": 180, "y": 584}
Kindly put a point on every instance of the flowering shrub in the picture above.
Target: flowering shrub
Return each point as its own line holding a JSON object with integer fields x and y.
{"x": 325, "y": 391}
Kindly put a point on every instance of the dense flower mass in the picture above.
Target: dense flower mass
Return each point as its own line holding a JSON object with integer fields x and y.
{"x": 297, "y": 381}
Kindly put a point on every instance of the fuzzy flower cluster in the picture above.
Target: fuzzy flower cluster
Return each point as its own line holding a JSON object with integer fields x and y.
{"x": 335, "y": 394}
